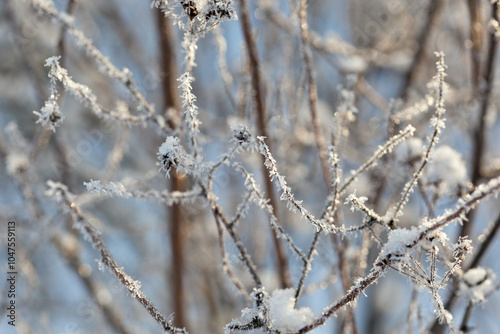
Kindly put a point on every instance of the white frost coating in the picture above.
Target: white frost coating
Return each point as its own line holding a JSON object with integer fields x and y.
{"x": 50, "y": 114}
{"x": 170, "y": 146}
{"x": 477, "y": 284}
{"x": 111, "y": 189}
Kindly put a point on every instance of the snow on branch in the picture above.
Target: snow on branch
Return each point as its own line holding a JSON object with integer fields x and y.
{"x": 270, "y": 314}
{"x": 171, "y": 154}
{"x": 401, "y": 242}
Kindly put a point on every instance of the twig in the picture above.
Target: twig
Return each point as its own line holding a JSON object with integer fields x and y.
{"x": 312, "y": 90}
{"x": 480, "y": 131}
{"x": 434, "y": 15}
{"x": 438, "y": 124}
{"x": 60, "y": 194}
{"x": 258, "y": 99}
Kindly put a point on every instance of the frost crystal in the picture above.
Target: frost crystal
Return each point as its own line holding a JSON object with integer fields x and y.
{"x": 50, "y": 114}
{"x": 169, "y": 154}
{"x": 95, "y": 186}
{"x": 244, "y": 138}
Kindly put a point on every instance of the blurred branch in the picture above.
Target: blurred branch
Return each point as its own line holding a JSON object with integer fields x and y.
{"x": 476, "y": 37}
{"x": 69, "y": 249}
{"x": 480, "y": 133}
{"x": 312, "y": 90}
{"x": 433, "y": 19}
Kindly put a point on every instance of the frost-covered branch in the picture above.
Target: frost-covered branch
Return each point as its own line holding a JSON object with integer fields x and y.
{"x": 117, "y": 189}
{"x": 286, "y": 192}
{"x": 244, "y": 255}
{"x": 312, "y": 90}
{"x": 47, "y": 8}
{"x": 263, "y": 203}
{"x": 380, "y": 152}
{"x": 61, "y": 196}
{"x": 401, "y": 241}
{"x": 51, "y": 115}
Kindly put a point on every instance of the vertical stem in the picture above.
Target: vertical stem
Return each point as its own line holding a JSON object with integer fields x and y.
{"x": 253, "y": 59}
{"x": 476, "y": 36}
{"x": 434, "y": 15}
{"x": 480, "y": 131}
{"x": 479, "y": 141}
{"x": 312, "y": 90}
{"x": 177, "y": 221}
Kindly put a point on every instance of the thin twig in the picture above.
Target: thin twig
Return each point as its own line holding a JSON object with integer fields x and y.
{"x": 60, "y": 194}
{"x": 312, "y": 90}
{"x": 258, "y": 99}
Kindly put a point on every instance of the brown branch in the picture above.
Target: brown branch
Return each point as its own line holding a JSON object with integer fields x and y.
{"x": 225, "y": 261}
{"x": 476, "y": 36}
{"x": 371, "y": 95}
{"x": 72, "y": 256}
{"x": 230, "y": 228}
{"x": 434, "y": 15}
{"x": 312, "y": 91}
{"x": 59, "y": 193}
{"x": 480, "y": 132}
{"x": 485, "y": 245}
{"x": 177, "y": 222}
{"x": 253, "y": 59}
